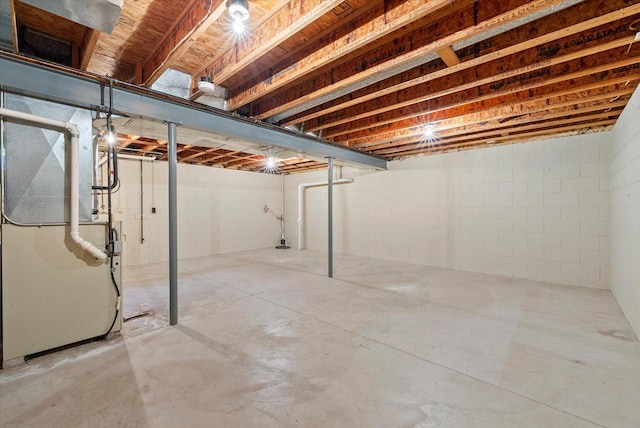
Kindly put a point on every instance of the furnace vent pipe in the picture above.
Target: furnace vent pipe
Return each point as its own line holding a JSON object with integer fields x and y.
{"x": 103, "y": 159}
{"x": 301, "y": 189}
{"x": 72, "y": 130}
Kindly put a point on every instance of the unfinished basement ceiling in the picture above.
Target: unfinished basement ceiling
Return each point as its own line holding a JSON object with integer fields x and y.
{"x": 376, "y": 75}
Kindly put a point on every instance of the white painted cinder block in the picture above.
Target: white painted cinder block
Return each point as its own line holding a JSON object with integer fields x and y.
{"x": 521, "y": 210}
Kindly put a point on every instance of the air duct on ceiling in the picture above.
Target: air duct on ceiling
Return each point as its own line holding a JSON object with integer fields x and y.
{"x": 101, "y": 15}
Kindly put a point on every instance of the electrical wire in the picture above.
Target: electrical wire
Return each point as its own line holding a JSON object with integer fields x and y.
{"x": 113, "y": 234}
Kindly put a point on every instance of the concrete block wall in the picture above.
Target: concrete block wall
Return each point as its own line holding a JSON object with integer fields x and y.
{"x": 625, "y": 212}
{"x": 219, "y": 211}
{"x": 537, "y": 210}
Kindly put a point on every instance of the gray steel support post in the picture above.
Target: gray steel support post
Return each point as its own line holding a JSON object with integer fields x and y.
{"x": 330, "y": 215}
{"x": 173, "y": 224}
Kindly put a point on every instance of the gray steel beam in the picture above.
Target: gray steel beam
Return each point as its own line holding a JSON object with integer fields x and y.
{"x": 172, "y": 144}
{"x": 88, "y": 91}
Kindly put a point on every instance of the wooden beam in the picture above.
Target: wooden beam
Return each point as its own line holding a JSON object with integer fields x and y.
{"x": 88, "y": 46}
{"x": 219, "y": 156}
{"x": 421, "y": 51}
{"x": 204, "y": 152}
{"x": 190, "y": 27}
{"x": 493, "y": 134}
{"x": 463, "y": 117}
{"x": 515, "y": 138}
{"x": 488, "y": 129}
{"x": 285, "y": 23}
{"x": 246, "y": 161}
{"x": 580, "y": 63}
{"x": 385, "y": 22}
{"x": 14, "y": 25}
{"x": 511, "y": 97}
{"x": 448, "y": 55}
{"x": 596, "y": 103}
{"x": 498, "y": 48}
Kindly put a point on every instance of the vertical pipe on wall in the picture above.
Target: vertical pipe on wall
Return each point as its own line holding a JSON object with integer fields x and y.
{"x": 141, "y": 203}
{"x": 173, "y": 224}
{"x": 330, "y": 216}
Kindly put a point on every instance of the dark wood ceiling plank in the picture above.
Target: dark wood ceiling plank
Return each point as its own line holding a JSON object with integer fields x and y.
{"x": 383, "y": 24}
{"x": 355, "y": 73}
{"x": 181, "y": 37}
{"x": 572, "y": 22}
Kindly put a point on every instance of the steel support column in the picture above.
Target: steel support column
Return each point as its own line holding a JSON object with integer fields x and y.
{"x": 173, "y": 223}
{"x": 330, "y": 216}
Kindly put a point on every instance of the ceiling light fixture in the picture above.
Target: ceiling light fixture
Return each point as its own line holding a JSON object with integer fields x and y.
{"x": 239, "y": 11}
{"x": 238, "y": 26}
{"x": 270, "y": 163}
{"x": 429, "y": 131}
{"x": 111, "y": 139}
{"x": 206, "y": 86}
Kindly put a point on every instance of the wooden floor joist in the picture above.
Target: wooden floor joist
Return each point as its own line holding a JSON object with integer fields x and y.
{"x": 384, "y": 24}
{"x": 569, "y": 66}
{"x": 462, "y": 117}
{"x": 412, "y": 55}
{"x": 554, "y": 32}
{"x": 501, "y": 106}
{"x": 486, "y": 129}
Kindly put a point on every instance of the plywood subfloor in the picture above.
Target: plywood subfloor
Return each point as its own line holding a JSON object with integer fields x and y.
{"x": 265, "y": 340}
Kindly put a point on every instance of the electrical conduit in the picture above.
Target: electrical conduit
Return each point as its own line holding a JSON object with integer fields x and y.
{"x": 74, "y": 135}
{"x": 301, "y": 189}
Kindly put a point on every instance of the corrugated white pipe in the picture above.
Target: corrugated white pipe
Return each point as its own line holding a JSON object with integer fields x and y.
{"x": 75, "y": 148}
{"x": 301, "y": 189}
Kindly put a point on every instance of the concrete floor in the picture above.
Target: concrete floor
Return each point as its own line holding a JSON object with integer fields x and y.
{"x": 265, "y": 340}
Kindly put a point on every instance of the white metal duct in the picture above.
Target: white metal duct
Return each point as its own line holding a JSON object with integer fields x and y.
{"x": 101, "y": 15}
{"x": 35, "y": 161}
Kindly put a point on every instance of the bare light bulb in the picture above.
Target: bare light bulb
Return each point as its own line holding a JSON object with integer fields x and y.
{"x": 429, "y": 132}
{"x": 238, "y": 26}
{"x": 110, "y": 139}
{"x": 270, "y": 163}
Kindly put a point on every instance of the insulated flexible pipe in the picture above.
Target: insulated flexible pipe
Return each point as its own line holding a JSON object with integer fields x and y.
{"x": 301, "y": 189}
{"x": 72, "y": 129}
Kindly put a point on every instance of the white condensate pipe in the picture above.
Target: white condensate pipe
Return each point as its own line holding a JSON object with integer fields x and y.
{"x": 301, "y": 188}
{"x": 75, "y": 148}
{"x": 104, "y": 159}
